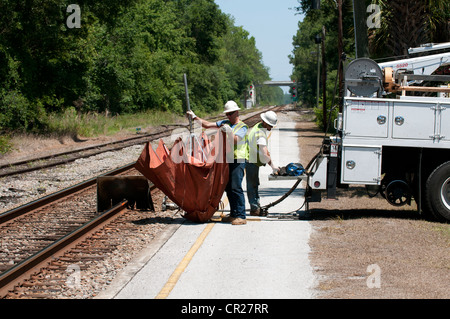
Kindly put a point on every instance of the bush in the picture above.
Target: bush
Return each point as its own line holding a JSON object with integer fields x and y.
{"x": 5, "y": 145}
{"x": 17, "y": 113}
{"x": 330, "y": 120}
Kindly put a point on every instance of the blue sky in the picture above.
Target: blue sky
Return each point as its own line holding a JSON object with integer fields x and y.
{"x": 272, "y": 24}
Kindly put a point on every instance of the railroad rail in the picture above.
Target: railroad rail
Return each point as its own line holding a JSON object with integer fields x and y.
{"x": 70, "y": 156}
{"x": 42, "y": 250}
{"x": 62, "y": 230}
{"x": 61, "y": 158}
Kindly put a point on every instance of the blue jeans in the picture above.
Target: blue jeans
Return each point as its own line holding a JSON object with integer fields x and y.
{"x": 252, "y": 178}
{"x": 234, "y": 190}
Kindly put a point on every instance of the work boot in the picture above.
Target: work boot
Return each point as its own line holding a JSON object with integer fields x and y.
{"x": 239, "y": 221}
{"x": 255, "y": 212}
{"x": 228, "y": 219}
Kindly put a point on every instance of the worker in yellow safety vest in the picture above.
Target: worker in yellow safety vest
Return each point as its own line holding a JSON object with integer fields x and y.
{"x": 258, "y": 156}
{"x": 237, "y": 131}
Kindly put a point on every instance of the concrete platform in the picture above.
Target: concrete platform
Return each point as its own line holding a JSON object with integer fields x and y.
{"x": 266, "y": 258}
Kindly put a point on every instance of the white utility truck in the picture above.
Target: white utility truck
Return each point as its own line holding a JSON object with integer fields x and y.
{"x": 393, "y": 134}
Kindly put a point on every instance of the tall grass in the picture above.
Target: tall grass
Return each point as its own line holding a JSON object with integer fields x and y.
{"x": 76, "y": 125}
{"x": 5, "y": 144}
{"x": 94, "y": 124}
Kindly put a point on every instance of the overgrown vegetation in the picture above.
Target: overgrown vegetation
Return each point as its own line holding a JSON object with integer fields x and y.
{"x": 127, "y": 57}
{"x": 74, "y": 124}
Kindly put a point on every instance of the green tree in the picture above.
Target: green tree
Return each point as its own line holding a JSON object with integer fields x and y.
{"x": 137, "y": 62}
{"x": 406, "y": 24}
{"x": 304, "y": 57}
{"x": 127, "y": 56}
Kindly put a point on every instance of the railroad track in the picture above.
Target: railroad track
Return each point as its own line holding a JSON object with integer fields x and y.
{"x": 43, "y": 229}
{"x": 41, "y": 240}
{"x": 70, "y": 156}
{"x": 61, "y": 158}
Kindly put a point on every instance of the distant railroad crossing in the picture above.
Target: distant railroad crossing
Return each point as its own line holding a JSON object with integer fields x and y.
{"x": 250, "y": 97}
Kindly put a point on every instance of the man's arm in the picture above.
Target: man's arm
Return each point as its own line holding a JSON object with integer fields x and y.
{"x": 268, "y": 159}
{"x": 204, "y": 123}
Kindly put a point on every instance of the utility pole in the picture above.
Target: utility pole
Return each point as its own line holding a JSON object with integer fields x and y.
{"x": 318, "y": 40}
{"x": 324, "y": 82}
{"x": 360, "y": 26}
{"x": 340, "y": 52}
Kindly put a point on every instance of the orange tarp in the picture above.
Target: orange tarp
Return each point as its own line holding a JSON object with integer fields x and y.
{"x": 196, "y": 181}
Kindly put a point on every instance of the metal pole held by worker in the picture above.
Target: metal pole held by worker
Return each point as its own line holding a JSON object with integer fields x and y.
{"x": 188, "y": 106}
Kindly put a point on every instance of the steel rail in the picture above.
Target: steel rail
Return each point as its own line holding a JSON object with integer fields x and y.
{"x": 29, "y": 207}
{"x": 13, "y": 213}
{"x": 12, "y": 276}
{"x": 128, "y": 142}
{"x": 16, "y": 274}
{"x": 129, "y": 139}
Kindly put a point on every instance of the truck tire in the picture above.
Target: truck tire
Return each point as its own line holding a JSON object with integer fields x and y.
{"x": 437, "y": 192}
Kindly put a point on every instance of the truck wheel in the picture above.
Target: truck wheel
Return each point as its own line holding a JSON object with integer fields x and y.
{"x": 437, "y": 192}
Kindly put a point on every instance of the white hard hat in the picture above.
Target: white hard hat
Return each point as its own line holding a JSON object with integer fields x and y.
{"x": 231, "y": 106}
{"x": 270, "y": 117}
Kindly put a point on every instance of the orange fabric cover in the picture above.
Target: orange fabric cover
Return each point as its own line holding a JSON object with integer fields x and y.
{"x": 195, "y": 183}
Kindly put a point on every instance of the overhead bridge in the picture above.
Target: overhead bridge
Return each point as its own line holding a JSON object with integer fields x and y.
{"x": 251, "y": 93}
{"x": 278, "y": 83}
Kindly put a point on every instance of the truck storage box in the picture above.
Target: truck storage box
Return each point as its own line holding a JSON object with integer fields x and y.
{"x": 365, "y": 118}
{"x": 361, "y": 165}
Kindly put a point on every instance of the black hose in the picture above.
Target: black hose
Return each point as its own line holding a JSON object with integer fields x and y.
{"x": 266, "y": 207}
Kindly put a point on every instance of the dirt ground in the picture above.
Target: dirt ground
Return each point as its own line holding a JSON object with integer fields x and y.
{"x": 363, "y": 247}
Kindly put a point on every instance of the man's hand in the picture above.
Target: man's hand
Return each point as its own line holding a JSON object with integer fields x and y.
{"x": 226, "y": 129}
{"x": 191, "y": 114}
{"x": 275, "y": 169}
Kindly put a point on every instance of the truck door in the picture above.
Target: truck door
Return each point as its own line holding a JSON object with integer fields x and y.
{"x": 361, "y": 165}
{"x": 414, "y": 120}
{"x": 365, "y": 118}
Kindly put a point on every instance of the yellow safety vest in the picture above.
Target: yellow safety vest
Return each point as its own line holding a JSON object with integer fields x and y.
{"x": 254, "y": 155}
{"x": 241, "y": 148}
